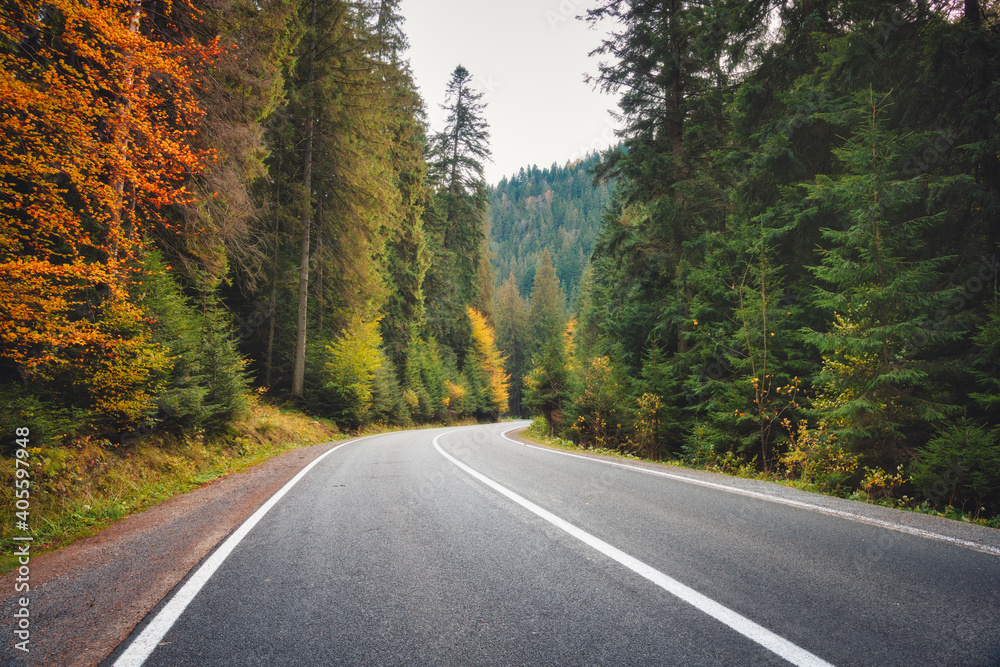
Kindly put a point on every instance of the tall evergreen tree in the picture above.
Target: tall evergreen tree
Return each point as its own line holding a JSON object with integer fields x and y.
{"x": 667, "y": 64}
{"x": 547, "y": 386}
{"x": 547, "y": 305}
{"x": 880, "y": 290}
{"x": 456, "y": 163}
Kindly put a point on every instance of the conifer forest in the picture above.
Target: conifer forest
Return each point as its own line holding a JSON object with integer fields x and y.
{"x": 787, "y": 266}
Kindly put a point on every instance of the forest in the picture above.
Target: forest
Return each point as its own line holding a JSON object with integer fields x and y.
{"x": 797, "y": 275}
{"x": 788, "y": 265}
{"x": 208, "y": 201}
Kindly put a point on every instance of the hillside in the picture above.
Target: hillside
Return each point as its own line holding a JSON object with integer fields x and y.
{"x": 557, "y": 208}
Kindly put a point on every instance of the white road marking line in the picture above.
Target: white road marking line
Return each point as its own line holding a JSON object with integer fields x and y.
{"x": 759, "y": 634}
{"x": 143, "y": 646}
{"x": 777, "y": 499}
{"x": 504, "y": 436}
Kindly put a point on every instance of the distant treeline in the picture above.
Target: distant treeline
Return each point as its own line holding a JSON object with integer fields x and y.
{"x": 558, "y": 209}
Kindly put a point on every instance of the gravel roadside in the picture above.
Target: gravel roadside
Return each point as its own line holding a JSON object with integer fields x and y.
{"x": 85, "y": 599}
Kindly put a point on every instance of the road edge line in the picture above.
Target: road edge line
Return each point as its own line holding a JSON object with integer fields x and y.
{"x": 903, "y": 528}
{"x": 757, "y": 633}
{"x": 143, "y": 646}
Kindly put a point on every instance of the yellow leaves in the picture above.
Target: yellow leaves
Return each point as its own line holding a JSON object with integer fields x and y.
{"x": 492, "y": 363}
{"x": 816, "y": 456}
{"x": 455, "y": 394}
{"x": 352, "y": 362}
{"x": 881, "y": 483}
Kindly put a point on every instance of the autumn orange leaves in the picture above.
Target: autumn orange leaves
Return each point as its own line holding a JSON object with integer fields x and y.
{"x": 96, "y": 121}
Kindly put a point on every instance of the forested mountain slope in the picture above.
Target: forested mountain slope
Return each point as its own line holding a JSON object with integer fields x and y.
{"x": 557, "y": 208}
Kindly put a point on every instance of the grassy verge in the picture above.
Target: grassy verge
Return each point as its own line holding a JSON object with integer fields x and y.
{"x": 731, "y": 465}
{"x": 78, "y": 489}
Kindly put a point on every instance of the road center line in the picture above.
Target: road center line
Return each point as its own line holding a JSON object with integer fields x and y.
{"x": 759, "y": 634}
{"x": 776, "y": 499}
{"x": 143, "y": 646}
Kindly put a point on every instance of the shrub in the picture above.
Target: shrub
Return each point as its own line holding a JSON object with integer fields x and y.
{"x": 353, "y": 360}
{"x": 19, "y": 408}
{"x": 815, "y": 456}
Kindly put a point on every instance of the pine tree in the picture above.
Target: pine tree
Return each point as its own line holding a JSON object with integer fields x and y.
{"x": 666, "y": 62}
{"x": 457, "y": 156}
{"x": 511, "y": 314}
{"x": 343, "y": 182}
{"x": 547, "y": 305}
{"x": 547, "y": 386}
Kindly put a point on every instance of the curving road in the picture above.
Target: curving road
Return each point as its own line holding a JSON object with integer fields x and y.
{"x": 466, "y": 547}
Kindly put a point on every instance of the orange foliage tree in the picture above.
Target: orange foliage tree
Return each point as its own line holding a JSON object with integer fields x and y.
{"x": 96, "y": 121}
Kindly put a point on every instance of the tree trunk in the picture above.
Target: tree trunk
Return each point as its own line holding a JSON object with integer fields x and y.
{"x": 319, "y": 275}
{"x": 299, "y": 370}
{"x": 273, "y": 308}
{"x": 972, "y": 13}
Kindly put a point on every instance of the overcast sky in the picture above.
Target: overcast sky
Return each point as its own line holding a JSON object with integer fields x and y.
{"x": 529, "y": 57}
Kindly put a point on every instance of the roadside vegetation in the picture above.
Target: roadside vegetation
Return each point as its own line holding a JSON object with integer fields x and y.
{"x": 207, "y": 208}
{"x": 877, "y": 487}
{"x": 797, "y": 273}
{"x": 89, "y": 483}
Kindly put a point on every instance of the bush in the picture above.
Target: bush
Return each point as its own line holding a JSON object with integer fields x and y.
{"x": 390, "y": 405}
{"x": 815, "y": 456}
{"x": 19, "y": 408}
{"x": 205, "y": 383}
{"x": 353, "y": 360}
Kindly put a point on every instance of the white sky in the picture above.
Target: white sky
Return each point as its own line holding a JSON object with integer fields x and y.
{"x": 529, "y": 57}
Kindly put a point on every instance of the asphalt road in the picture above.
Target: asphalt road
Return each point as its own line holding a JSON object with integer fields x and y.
{"x": 462, "y": 547}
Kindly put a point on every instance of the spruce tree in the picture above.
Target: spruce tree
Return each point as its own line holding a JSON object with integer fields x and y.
{"x": 547, "y": 386}
{"x": 547, "y": 305}
{"x": 511, "y": 314}
{"x": 456, "y": 162}
{"x": 879, "y": 290}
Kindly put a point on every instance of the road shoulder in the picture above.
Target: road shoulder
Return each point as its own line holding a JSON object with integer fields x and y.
{"x": 88, "y": 597}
